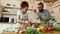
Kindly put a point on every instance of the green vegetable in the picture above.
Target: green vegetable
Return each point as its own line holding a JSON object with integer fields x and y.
{"x": 57, "y": 28}
{"x": 40, "y": 32}
{"x": 36, "y": 32}
{"x": 31, "y": 31}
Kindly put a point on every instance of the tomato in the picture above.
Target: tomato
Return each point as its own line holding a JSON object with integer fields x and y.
{"x": 45, "y": 28}
{"x": 50, "y": 28}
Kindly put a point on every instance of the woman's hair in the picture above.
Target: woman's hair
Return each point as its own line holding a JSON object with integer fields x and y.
{"x": 24, "y": 4}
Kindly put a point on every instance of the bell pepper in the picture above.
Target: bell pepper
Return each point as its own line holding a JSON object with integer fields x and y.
{"x": 41, "y": 27}
{"x": 38, "y": 29}
{"x": 45, "y": 28}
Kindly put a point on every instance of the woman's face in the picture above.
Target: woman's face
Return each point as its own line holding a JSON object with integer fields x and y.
{"x": 25, "y": 9}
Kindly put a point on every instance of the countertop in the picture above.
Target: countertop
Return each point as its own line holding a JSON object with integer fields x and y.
{"x": 55, "y": 32}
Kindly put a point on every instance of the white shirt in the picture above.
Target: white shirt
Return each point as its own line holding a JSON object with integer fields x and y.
{"x": 30, "y": 14}
{"x": 22, "y": 16}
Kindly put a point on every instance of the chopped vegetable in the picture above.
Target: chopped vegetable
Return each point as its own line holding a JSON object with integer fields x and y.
{"x": 31, "y": 31}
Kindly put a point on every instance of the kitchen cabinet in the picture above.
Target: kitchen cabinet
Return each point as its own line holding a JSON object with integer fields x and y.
{"x": 10, "y": 12}
{"x": 1, "y": 9}
{"x": 4, "y": 19}
{"x": 10, "y": 3}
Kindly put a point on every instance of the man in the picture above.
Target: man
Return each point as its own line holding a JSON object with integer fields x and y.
{"x": 22, "y": 15}
{"x": 43, "y": 14}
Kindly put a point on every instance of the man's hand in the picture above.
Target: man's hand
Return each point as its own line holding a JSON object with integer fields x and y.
{"x": 46, "y": 19}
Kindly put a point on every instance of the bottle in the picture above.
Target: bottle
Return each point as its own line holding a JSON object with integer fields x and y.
{"x": 54, "y": 22}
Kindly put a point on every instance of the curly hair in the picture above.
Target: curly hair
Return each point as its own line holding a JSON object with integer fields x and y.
{"x": 24, "y": 4}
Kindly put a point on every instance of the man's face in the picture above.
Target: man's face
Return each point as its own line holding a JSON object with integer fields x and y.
{"x": 25, "y": 9}
{"x": 40, "y": 7}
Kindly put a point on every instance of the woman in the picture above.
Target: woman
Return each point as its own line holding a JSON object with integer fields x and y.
{"x": 22, "y": 16}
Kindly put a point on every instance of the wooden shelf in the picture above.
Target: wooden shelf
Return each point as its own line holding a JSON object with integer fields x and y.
{"x": 7, "y": 13}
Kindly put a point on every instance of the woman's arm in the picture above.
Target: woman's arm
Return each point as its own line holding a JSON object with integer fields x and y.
{"x": 19, "y": 19}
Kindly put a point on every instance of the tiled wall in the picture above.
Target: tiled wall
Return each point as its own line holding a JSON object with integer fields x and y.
{"x": 56, "y": 8}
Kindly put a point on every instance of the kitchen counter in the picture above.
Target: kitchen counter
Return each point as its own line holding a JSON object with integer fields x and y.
{"x": 5, "y": 25}
{"x": 15, "y": 23}
{"x": 23, "y": 33}
{"x": 9, "y": 33}
{"x": 55, "y": 32}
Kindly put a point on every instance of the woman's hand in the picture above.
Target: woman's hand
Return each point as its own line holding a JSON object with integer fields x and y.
{"x": 27, "y": 23}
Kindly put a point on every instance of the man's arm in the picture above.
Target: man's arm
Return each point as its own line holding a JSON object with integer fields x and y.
{"x": 49, "y": 15}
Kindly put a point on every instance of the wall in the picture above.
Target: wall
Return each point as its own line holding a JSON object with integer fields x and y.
{"x": 56, "y": 8}
{"x": 32, "y": 4}
{"x": 1, "y": 9}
